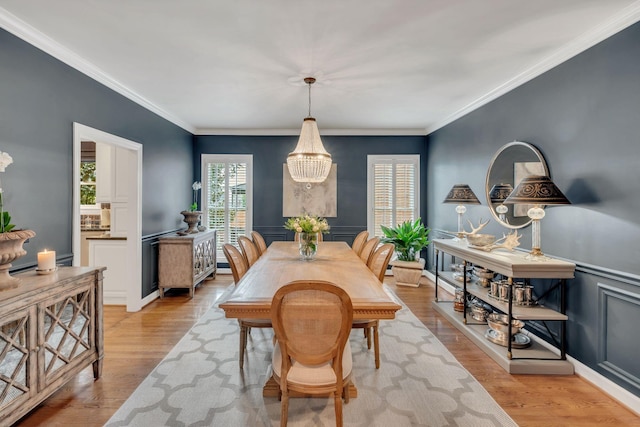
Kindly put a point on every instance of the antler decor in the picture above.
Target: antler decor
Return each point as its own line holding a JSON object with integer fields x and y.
{"x": 508, "y": 241}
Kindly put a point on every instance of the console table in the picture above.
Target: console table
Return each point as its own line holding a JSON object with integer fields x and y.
{"x": 51, "y": 328}
{"x": 185, "y": 261}
{"x": 537, "y": 359}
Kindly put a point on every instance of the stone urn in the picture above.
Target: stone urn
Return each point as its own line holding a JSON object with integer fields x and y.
{"x": 10, "y": 250}
{"x": 192, "y": 218}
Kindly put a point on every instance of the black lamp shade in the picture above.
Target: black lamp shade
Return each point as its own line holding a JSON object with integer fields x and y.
{"x": 500, "y": 192}
{"x": 461, "y": 194}
{"x": 537, "y": 190}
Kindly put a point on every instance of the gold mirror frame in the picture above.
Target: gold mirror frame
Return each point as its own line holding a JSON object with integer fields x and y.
{"x": 512, "y": 162}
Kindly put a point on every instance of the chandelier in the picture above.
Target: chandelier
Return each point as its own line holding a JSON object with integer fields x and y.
{"x": 309, "y": 162}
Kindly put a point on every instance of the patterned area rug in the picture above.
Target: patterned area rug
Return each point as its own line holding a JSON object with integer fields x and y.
{"x": 419, "y": 383}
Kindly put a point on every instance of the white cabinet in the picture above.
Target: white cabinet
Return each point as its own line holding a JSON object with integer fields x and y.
{"x": 112, "y": 173}
{"x": 536, "y": 359}
{"x": 119, "y": 219}
{"x": 111, "y": 253}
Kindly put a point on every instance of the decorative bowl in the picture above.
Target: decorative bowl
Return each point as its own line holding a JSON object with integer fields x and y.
{"x": 499, "y": 323}
{"x": 480, "y": 239}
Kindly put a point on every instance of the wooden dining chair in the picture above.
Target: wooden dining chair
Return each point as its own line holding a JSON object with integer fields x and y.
{"x": 239, "y": 267}
{"x": 378, "y": 263}
{"x": 368, "y": 249}
{"x": 312, "y": 321}
{"x": 249, "y": 250}
{"x": 379, "y": 260}
{"x": 359, "y": 241}
{"x": 296, "y": 237}
{"x": 258, "y": 240}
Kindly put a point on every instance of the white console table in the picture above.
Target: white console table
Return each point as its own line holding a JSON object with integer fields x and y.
{"x": 536, "y": 359}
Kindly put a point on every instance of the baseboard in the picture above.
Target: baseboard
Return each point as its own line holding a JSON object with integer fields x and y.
{"x": 623, "y": 396}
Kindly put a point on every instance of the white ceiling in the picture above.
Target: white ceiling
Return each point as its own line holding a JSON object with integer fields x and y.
{"x": 383, "y": 66}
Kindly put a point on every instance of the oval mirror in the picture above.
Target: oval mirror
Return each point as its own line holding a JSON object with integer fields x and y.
{"x": 508, "y": 166}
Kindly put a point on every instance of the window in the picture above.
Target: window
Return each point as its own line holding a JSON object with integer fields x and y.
{"x": 227, "y": 196}
{"x": 393, "y": 195}
{"x": 88, "y": 183}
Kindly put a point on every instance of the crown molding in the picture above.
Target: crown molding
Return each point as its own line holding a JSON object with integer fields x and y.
{"x": 323, "y": 132}
{"x": 26, "y": 32}
{"x": 618, "y": 22}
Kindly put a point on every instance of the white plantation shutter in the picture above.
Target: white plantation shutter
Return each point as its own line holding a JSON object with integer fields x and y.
{"x": 227, "y": 196}
{"x": 393, "y": 191}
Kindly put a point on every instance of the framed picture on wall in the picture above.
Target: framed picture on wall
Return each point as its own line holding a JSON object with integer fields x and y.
{"x": 315, "y": 199}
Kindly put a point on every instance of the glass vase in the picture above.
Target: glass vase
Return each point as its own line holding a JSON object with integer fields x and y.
{"x": 308, "y": 245}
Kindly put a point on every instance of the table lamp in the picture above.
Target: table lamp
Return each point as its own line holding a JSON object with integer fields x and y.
{"x": 498, "y": 194}
{"x": 461, "y": 194}
{"x": 537, "y": 191}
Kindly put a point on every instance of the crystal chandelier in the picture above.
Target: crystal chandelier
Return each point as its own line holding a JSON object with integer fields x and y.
{"x": 309, "y": 162}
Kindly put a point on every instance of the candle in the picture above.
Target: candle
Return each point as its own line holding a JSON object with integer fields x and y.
{"x": 46, "y": 260}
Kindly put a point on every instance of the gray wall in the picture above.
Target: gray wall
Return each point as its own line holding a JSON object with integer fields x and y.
{"x": 348, "y": 152}
{"x": 584, "y": 116}
{"x": 40, "y": 98}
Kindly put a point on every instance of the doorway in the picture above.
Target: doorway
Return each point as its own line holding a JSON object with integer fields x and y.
{"x": 133, "y": 218}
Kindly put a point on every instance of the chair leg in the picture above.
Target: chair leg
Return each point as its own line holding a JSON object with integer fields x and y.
{"x": 338, "y": 403}
{"x": 368, "y": 335}
{"x": 376, "y": 345}
{"x": 284, "y": 411}
{"x": 243, "y": 344}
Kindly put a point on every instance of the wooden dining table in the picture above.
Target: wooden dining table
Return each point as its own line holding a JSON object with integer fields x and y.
{"x": 334, "y": 262}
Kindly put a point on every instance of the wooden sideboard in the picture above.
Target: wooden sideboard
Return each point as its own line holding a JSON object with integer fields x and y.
{"x": 51, "y": 328}
{"x": 185, "y": 261}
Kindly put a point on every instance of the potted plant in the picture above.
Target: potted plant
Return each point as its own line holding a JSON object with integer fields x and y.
{"x": 11, "y": 240}
{"x": 409, "y": 238}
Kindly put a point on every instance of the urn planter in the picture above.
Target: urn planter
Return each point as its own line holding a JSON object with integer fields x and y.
{"x": 10, "y": 250}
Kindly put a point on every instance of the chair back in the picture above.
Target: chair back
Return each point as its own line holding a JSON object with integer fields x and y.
{"x": 296, "y": 237}
{"x": 258, "y": 240}
{"x": 359, "y": 241}
{"x": 379, "y": 260}
{"x": 236, "y": 261}
{"x": 249, "y": 250}
{"x": 312, "y": 321}
{"x": 368, "y": 249}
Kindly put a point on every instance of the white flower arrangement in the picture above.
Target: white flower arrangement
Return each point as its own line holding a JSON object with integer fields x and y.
{"x": 197, "y": 185}
{"x": 5, "y": 218}
{"x": 307, "y": 224}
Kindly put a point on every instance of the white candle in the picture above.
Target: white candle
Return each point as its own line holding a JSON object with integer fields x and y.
{"x": 46, "y": 260}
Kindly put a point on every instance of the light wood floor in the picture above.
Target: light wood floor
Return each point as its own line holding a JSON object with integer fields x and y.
{"x": 136, "y": 342}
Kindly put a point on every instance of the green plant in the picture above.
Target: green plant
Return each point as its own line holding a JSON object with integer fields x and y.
{"x": 409, "y": 238}
{"x": 6, "y": 222}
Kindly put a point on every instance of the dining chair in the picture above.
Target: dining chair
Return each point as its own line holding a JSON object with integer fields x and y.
{"x": 312, "y": 321}
{"x": 239, "y": 267}
{"x": 249, "y": 250}
{"x": 378, "y": 263}
{"x": 379, "y": 260}
{"x": 359, "y": 241}
{"x": 296, "y": 237}
{"x": 258, "y": 240}
{"x": 368, "y": 249}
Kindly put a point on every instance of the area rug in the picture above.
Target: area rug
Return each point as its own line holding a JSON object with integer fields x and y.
{"x": 419, "y": 383}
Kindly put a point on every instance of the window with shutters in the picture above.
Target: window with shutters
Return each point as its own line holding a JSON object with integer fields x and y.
{"x": 227, "y": 196}
{"x": 393, "y": 194}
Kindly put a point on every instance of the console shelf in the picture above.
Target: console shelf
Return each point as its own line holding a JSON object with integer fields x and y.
{"x": 535, "y": 359}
